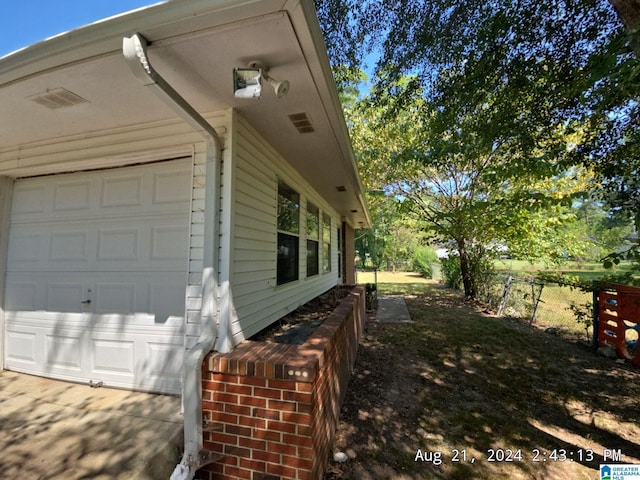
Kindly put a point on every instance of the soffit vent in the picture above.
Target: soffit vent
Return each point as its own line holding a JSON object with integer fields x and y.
{"x": 301, "y": 122}
{"x": 57, "y": 98}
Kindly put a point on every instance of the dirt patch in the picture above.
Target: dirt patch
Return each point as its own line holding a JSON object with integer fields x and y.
{"x": 298, "y": 325}
{"x": 460, "y": 394}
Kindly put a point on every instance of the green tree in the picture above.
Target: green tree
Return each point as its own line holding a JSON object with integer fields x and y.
{"x": 390, "y": 243}
{"x": 603, "y": 232}
{"x": 456, "y": 186}
{"x": 495, "y": 104}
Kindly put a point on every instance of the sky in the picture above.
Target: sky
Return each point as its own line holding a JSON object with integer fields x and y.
{"x": 24, "y": 22}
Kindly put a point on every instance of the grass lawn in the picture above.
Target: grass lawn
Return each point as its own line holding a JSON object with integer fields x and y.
{"x": 553, "y": 310}
{"x": 459, "y": 394}
{"x": 586, "y": 271}
{"x": 395, "y": 283}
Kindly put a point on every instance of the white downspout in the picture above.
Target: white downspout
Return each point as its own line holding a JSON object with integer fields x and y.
{"x": 134, "y": 50}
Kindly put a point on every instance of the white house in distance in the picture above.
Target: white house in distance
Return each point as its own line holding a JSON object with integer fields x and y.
{"x": 146, "y": 210}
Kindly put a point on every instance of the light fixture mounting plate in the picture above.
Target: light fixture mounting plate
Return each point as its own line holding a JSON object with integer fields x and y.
{"x": 259, "y": 64}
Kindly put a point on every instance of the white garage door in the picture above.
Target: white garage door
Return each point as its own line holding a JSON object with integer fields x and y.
{"x": 96, "y": 276}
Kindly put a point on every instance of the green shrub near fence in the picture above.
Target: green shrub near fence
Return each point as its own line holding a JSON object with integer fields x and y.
{"x": 555, "y": 307}
{"x": 451, "y": 273}
{"x": 423, "y": 260}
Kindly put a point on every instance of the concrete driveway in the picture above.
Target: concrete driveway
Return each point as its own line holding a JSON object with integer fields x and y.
{"x": 51, "y": 429}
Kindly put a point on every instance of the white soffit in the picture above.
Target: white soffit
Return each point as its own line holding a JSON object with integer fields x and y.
{"x": 196, "y": 54}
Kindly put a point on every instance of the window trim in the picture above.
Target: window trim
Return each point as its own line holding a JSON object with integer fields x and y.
{"x": 313, "y": 240}
{"x": 287, "y": 237}
{"x": 326, "y": 245}
{"x": 339, "y": 251}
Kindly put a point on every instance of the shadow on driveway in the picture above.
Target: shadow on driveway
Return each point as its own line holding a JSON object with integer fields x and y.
{"x": 51, "y": 429}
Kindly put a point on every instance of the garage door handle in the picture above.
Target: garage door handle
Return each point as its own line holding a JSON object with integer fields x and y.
{"x": 86, "y": 302}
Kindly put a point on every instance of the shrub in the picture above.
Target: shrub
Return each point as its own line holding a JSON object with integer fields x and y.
{"x": 583, "y": 313}
{"x": 451, "y": 273}
{"x": 423, "y": 258}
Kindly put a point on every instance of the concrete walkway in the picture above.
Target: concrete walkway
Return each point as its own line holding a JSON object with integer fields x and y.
{"x": 51, "y": 429}
{"x": 392, "y": 309}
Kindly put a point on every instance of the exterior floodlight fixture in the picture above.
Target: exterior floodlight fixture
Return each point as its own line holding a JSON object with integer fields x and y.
{"x": 281, "y": 88}
{"x": 247, "y": 82}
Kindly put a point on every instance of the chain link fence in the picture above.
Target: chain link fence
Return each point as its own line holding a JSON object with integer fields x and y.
{"x": 549, "y": 305}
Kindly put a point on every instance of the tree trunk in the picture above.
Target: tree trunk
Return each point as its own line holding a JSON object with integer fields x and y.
{"x": 466, "y": 270}
{"x": 629, "y": 13}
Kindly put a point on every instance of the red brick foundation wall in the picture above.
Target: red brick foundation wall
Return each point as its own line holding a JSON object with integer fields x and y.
{"x": 271, "y": 410}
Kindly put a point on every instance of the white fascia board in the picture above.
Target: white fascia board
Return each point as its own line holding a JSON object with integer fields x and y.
{"x": 62, "y": 34}
{"x": 104, "y": 37}
{"x": 334, "y": 108}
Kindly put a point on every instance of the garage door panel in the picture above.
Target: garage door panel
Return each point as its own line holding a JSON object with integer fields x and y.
{"x": 72, "y": 195}
{"x": 167, "y": 243}
{"x": 64, "y": 296}
{"x": 165, "y": 360}
{"x": 27, "y": 247}
{"x": 69, "y": 246}
{"x": 165, "y": 191}
{"x": 156, "y": 295}
{"x": 141, "y": 191}
{"x": 22, "y": 295}
{"x": 112, "y": 356}
{"x": 30, "y": 199}
{"x": 21, "y": 348}
{"x": 166, "y": 302}
{"x": 120, "y": 244}
{"x": 116, "y": 297}
{"x": 36, "y": 246}
{"x": 159, "y": 244}
{"x": 63, "y": 351}
{"x": 108, "y": 246}
{"x": 121, "y": 191}
{"x": 96, "y": 275}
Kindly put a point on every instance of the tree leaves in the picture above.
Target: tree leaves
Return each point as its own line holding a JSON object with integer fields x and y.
{"x": 481, "y": 112}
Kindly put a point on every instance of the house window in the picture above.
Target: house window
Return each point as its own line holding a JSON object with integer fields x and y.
{"x": 326, "y": 243}
{"x": 288, "y": 233}
{"x": 313, "y": 239}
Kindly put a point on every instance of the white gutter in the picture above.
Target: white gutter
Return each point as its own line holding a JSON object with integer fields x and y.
{"x": 134, "y": 50}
